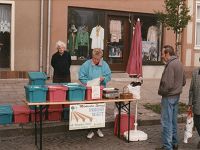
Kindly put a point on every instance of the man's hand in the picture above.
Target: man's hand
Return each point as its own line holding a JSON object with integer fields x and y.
{"x": 189, "y": 108}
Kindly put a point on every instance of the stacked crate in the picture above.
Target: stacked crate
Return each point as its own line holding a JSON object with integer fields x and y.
{"x": 36, "y": 92}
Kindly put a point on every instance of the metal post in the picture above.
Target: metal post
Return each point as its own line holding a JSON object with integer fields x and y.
{"x": 119, "y": 119}
{"x": 129, "y": 111}
{"x": 41, "y": 117}
{"x": 35, "y": 125}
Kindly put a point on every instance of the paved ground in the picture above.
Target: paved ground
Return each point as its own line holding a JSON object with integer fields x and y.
{"x": 76, "y": 140}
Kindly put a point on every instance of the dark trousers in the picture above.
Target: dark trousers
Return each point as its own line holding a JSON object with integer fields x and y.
{"x": 61, "y": 79}
{"x": 197, "y": 123}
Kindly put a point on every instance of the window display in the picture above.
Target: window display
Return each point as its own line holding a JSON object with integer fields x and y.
{"x": 91, "y": 28}
{"x": 151, "y": 40}
{"x": 85, "y": 32}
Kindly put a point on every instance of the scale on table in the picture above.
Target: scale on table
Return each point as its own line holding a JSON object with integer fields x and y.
{"x": 135, "y": 135}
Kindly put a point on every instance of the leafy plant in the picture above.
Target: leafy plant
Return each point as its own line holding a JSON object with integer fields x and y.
{"x": 175, "y": 17}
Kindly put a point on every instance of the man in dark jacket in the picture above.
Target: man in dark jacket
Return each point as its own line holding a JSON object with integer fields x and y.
{"x": 61, "y": 62}
{"x": 194, "y": 100}
{"x": 171, "y": 84}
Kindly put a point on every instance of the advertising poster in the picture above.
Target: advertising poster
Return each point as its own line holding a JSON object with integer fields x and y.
{"x": 149, "y": 51}
{"x": 84, "y": 116}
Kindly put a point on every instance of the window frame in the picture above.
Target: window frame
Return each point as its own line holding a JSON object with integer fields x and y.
{"x": 197, "y": 21}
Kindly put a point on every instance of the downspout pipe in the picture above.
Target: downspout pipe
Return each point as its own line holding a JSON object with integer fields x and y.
{"x": 41, "y": 32}
{"x": 48, "y": 36}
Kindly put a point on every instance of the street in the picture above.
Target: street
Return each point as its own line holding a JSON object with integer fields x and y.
{"x": 76, "y": 140}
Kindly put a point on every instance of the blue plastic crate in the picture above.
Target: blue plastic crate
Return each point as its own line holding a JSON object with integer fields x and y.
{"x": 36, "y": 93}
{"x": 66, "y": 113}
{"x": 6, "y": 114}
{"x": 37, "y": 78}
{"x": 76, "y": 93}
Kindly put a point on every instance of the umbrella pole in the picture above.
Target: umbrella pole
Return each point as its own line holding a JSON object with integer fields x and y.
{"x": 135, "y": 124}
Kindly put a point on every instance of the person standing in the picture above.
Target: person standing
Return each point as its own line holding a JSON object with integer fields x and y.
{"x": 171, "y": 84}
{"x": 92, "y": 69}
{"x": 194, "y": 100}
{"x": 61, "y": 62}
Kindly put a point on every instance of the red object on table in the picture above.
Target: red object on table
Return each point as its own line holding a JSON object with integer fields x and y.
{"x": 57, "y": 93}
{"x": 88, "y": 96}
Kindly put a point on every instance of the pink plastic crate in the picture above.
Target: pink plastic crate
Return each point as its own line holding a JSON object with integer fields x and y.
{"x": 56, "y": 93}
{"x": 123, "y": 124}
{"x": 54, "y": 112}
{"x": 88, "y": 96}
{"x": 21, "y": 113}
{"x": 38, "y": 115}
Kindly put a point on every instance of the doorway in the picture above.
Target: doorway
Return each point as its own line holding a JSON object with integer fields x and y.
{"x": 117, "y": 42}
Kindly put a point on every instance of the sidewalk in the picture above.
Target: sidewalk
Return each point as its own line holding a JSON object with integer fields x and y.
{"x": 12, "y": 92}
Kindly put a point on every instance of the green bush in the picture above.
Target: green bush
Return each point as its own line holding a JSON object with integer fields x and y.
{"x": 157, "y": 107}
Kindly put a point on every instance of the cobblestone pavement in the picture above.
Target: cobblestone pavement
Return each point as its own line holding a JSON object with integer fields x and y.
{"x": 76, "y": 140}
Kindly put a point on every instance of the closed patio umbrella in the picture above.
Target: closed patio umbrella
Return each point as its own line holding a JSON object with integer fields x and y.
{"x": 134, "y": 69}
{"x": 134, "y": 66}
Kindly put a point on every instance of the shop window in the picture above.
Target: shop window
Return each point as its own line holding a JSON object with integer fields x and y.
{"x": 83, "y": 25}
{"x": 151, "y": 39}
{"x": 197, "y": 38}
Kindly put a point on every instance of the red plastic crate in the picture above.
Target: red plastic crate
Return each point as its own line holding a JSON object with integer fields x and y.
{"x": 54, "y": 112}
{"x": 56, "y": 93}
{"x": 88, "y": 96}
{"x": 38, "y": 115}
{"x": 21, "y": 113}
{"x": 54, "y": 115}
{"x": 123, "y": 124}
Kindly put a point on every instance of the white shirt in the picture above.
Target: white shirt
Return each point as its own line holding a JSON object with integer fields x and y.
{"x": 97, "y": 36}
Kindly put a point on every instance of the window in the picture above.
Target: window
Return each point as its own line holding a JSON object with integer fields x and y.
{"x": 151, "y": 39}
{"x": 197, "y": 38}
{"x": 5, "y": 29}
{"x": 82, "y": 21}
{"x": 80, "y": 24}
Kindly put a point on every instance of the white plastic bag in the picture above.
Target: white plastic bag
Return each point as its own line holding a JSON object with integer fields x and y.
{"x": 135, "y": 90}
{"x": 188, "y": 127}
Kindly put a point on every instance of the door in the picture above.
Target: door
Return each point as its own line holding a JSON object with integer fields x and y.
{"x": 117, "y": 40}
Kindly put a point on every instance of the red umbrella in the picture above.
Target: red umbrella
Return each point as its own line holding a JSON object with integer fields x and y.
{"x": 134, "y": 67}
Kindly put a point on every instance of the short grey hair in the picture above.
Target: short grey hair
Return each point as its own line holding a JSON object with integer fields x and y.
{"x": 60, "y": 44}
{"x": 97, "y": 52}
{"x": 169, "y": 49}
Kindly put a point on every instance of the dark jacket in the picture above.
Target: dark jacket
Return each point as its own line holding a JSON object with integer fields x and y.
{"x": 61, "y": 63}
{"x": 173, "y": 78}
{"x": 194, "y": 93}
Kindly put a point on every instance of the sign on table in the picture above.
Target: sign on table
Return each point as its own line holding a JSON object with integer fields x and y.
{"x": 84, "y": 116}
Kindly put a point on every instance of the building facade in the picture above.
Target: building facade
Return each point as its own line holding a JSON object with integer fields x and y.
{"x": 30, "y": 29}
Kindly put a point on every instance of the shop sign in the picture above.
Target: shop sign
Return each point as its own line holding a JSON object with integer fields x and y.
{"x": 84, "y": 116}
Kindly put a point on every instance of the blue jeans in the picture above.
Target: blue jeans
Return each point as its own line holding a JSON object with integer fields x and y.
{"x": 169, "y": 111}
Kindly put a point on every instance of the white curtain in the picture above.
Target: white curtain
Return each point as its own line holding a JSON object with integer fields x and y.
{"x": 5, "y": 18}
